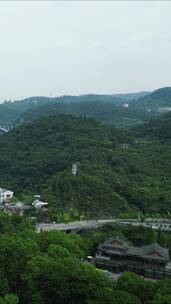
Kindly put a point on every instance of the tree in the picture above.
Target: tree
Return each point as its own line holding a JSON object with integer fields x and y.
{"x": 134, "y": 284}
{"x": 9, "y": 299}
{"x": 161, "y": 238}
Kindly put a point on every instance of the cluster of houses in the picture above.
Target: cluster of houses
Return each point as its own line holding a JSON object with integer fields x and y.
{"x": 164, "y": 109}
{"x": 8, "y": 206}
{"x": 7, "y": 195}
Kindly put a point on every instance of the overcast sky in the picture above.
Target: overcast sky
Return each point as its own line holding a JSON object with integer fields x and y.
{"x": 76, "y": 47}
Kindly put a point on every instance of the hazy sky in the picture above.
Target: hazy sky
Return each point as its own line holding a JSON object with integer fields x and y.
{"x": 82, "y": 47}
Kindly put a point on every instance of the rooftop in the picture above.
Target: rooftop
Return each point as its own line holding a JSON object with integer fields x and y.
{"x": 153, "y": 251}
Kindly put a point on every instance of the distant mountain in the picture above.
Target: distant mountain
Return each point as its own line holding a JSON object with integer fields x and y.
{"x": 12, "y": 111}
{"x": 121, "y": 110}
{"x": 131, "y": 96}
{"x": 157, "y": 99}
{"x": 107, "y": 113}
{"x": 76, "y": 99}
{"x": 88, "y": 98}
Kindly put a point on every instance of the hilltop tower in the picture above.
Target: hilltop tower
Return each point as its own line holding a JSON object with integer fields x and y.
{"x": 74, "y": 169}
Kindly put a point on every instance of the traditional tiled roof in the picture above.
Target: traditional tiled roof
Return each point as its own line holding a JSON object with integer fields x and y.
{"x": 153, "y": 251}
{"x": 156, "y": 249}
{"x": 114, "y": 242}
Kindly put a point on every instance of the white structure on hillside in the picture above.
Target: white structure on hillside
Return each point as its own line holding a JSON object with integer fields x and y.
{"x": 5, "y": 195}
{"x": 74, "y": 169}
{"x": 125, "y": 146}
{"x": 125, "y": 105}
{"x": 39, "y": 204}
{"x": 164, "y": 109}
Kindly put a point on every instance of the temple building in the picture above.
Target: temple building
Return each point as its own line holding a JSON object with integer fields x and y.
{"x": 117, "y": 256}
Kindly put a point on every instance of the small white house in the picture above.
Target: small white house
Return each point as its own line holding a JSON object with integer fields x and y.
{"x": 125, "y": 105}
{"x": 38, "y": 204}
{"x": 5, "y": 195}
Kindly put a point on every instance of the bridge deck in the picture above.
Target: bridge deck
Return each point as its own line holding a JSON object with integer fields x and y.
{"x": 164, "y": 225}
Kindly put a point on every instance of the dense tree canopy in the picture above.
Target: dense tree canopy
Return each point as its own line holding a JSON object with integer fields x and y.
{"x": 117, "y": 171}
{"x": 48, "y": 268}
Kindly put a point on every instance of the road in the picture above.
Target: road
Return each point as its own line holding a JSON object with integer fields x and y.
{"x": 162, "y": 224}
{"x": 74, "y": 225}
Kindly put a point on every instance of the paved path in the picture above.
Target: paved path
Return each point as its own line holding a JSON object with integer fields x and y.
{"x": 74, "y": 225}
{"x": 162, "y": 224}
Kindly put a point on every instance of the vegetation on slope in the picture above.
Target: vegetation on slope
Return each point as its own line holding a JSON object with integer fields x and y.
{"x": 158, "y": 128}
{"x": 10, "y": 112}
{"x": 116, "y": 172}
{"x": 47, "y": 268}
{"x": 32, "y": 154}
{"x": 106, "y": 108}
{"x": 105, "y": 112}
{"x": 158, "y": 98}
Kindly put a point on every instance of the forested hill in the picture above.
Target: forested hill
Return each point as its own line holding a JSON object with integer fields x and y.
{"x": 121, "y": 110}
{"x": 32, "y": 154}
{"x": 116, "y": 172}
{"x": 132, "y": 96}
{"x": 107, "y": 113}
{"x": 10, "y": 112}
{"x": 155, "y": 100}
{"x": 158, "y": 128}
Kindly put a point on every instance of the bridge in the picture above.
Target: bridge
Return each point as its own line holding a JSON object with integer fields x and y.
{"x": 162, "y": 224}
{"x": 156, "y": 224}
{"x": 74, "y": 226}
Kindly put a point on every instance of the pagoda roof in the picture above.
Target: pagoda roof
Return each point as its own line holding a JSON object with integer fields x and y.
{"x": 114, "y": 242}
{"x": 153, "y": 251}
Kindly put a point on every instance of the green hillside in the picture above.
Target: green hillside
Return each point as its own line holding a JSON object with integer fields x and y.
{"x": 117, "y": 172}
{"x": 158, "y": 128}
{"x": 10, "y": 112}
{"x": 158, "y": 98}
{"x": 14, "y": 112}
{"x": 132, "y": 96}
{"x": 107, "y": 113}
{"x": 107, "y": 108}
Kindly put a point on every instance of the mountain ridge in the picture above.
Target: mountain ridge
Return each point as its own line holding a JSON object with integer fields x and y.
{"x": 120, "y": 111}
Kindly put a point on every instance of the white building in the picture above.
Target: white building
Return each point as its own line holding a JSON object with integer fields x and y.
{"x": 125, "y": 105}
{"x": 38, "y": 204}
{"x": 5, "y": 195}
{"x": 164, "y": 109}
{"x": 74, "y": 169}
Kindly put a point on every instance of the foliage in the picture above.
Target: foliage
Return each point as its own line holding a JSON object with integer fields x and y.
{"x": 107, "y": 108}
{"x": 47, "y": 268}
{"x": 111, "y": 179}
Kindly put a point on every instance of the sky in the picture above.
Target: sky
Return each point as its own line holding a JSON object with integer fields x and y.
{"x": 79, "y": 47}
